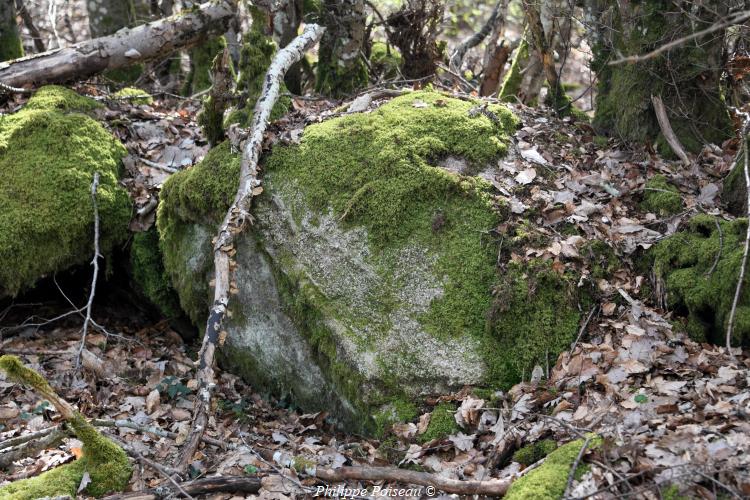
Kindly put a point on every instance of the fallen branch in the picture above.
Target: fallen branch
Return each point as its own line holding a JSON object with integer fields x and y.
{"x": 199, "y": 487}
{"x": 31, "y": 447}
{"x": 126, "y": 47}
{"x": 666, "y": 129}
{"x": 236, "y": 219}
{"x": 493, "y": 487}
{"x": 574, "y": 467}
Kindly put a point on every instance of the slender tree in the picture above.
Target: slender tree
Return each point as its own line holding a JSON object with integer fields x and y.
{"x": 10, "y": 42}
{"x": 341, "y": 67}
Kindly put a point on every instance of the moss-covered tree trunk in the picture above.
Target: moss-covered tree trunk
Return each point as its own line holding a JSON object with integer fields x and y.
{"x": 341, "y": 68}
{"x": 108, "y": 16}
{"x": 10, "y": 42}
{"x": 687, "y": 77}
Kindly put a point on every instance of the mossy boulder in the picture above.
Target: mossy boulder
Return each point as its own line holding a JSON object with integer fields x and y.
{"x": 369, "y": 274}
{"x": 700, "y": 266}
{"x": 49, "y": 151}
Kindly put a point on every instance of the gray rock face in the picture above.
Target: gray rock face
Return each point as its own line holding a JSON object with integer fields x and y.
{"x": 319, "y": 320}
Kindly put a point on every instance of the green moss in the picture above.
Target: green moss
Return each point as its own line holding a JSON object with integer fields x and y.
{"x": 134, "y": 95}
{"x": 442, "y": 423}
{"x": 661, "y": 197}
{"x": 385, "y": 63}
{"x": 201, "y": 57}
{"x": 149, "y": 274}
{"x": 549, "y": 480}
{"x": 534, "y": 452}
{"x": 623, "y": 102}
{"x": 513, "y": 78}
{"x": 125, "y": 75}
{"x": 601, "y": 141}
{"x": 684, "y": 260}
{"x": 47, "y": 222}
{"x": 602, "y": 259}
{"x": 255, "y": 57}
{"x": 10, "y": 41}
{"x": 535, "y": 317}
{"x": 106, "y": 463}
{"x": 397, "y": 411}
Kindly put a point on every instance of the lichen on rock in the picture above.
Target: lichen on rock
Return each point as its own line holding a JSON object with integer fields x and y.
{"x": 45, "y": 181}
{"x": 368, "y": 277}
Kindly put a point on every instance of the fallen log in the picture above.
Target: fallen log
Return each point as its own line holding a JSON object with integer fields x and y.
{"x": 199, "y": 487}
{"x": 236, "y": 219}
{"x": 126, "y": 47}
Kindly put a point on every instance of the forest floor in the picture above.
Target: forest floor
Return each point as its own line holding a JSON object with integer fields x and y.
{"x": 671, "y": 411}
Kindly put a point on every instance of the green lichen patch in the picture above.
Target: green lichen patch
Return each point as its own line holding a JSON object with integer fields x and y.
{"x": 535, "y": 317}
{"x": 105, "y": 462}
{"x": 660, "y": 197}
{"x": 442, "y": 423}
{"x": 134, "y": 95}
{"x": 47, "y": 222}
{"x": 534, "y": 452}
{"x": 700, "y": 268}
{"x": 549, "y": 480}
{"x": 149, "y": 275}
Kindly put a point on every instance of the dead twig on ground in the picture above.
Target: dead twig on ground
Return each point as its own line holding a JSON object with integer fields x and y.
{"x": 95, "y": 263}
{"x": 236, "y": 219}
{"x": 667, "y": 131}
{"x": 199, "y": 487}
{"x": 572, "y": 473}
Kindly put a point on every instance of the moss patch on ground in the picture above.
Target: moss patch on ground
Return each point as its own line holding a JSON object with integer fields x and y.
{"x": 698, "y": 290}
{"x": 397, "y": 411}
{"x": 384, "y": 61}
{"x": 549, "y": 480}
{"x": 661, "y": 197}
{"x": 442, "y": 423}
{"x": 535, "y": 317}
{"x": 134, "y": 95}
{"x": 105, "y": 462}
{"x": 47, "y": 222}
{"x": 534, "y": 452}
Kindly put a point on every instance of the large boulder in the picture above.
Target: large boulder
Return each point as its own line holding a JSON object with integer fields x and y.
{"x": 49, "y": 151}
{"x": 370, "y": 275}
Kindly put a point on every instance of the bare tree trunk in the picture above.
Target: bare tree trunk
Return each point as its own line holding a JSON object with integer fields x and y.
{"x": 496, "y": 54}
{"x": 108, "y": 16}
{"x": 146, "y": 42}
{"x": 341, "y": 68}
{"x": 10, "y": 42}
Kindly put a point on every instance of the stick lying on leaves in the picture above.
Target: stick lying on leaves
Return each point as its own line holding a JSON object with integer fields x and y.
{"x": 199, "y": 487}
{"x": 237, "y": 217}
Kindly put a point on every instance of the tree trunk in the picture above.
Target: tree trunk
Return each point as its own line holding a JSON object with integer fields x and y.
{"x": 108, "y": 16}
{"x": 146, "y": 42}
{"x": 286, "y": 24}
{"x": 341, "y": 68}
{"x": 686, "y": 77}
{"x": 10, "y": 42}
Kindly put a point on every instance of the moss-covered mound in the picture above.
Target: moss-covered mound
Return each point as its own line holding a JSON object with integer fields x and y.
{"x": 661, "y": 197}
{"x": 381, "y": 262}
{"x": 106, "y": 463}
{"x": 700, "y": 267}
{"x": 49, "y": 151}
{"x": 549, "y": 480}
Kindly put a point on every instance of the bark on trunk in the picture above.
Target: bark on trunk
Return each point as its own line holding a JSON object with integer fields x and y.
{"x": 10, "y": 42}
{"x": 341, "y": 68}
{"x": 687, "y": 77}
{"x": 124, "y": 48}
{"x": 109, "y": 16}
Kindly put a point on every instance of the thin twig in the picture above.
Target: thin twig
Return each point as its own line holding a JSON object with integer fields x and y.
{"x": 743, "y": 265}
{"x": 95, "y": 263}
{"x": 572, "y": 473}
{"x": 738, "y": 18}
{"x": 582, "y": 330}
{"x": 721, "y": 248}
